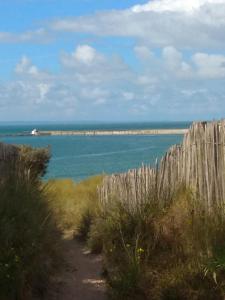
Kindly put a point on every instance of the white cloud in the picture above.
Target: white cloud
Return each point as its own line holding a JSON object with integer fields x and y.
{"x": 178, "y": 72}
{"x": 209, "y": 66}
{"x": 143, "y": 52}
{"x": 95, "y": 86}
{"x": 85, "y": 54}
{"x": 128, "y": 95}
{"x": 171, "y": 63}
{"x": 90, "y": 81}
{"x": 173, "y": 5}
{"x": 174, "y": 61}
{"x": 100, "y": 101}
{"x": 193, "y": 92}
{"x": 40, "y": 35}
{"x": 190, "y": 24}
{"x": 25, "y": 67}
{"x": 98, "y": 94}
{"x": 44, "y": 88}
{"x": 87, "y": 66}
{"x": 172, "y": 57}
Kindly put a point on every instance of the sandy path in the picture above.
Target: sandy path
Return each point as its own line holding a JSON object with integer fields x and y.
{"x": 80, "y": 277}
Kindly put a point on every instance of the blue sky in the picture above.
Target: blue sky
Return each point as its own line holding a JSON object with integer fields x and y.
{"x": 21, "y": 15}
{"x": 112, "y": 60}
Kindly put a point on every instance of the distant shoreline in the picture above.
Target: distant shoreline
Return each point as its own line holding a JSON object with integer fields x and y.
{"x": 115, "y": 132}
{"x": 99, "y": 132}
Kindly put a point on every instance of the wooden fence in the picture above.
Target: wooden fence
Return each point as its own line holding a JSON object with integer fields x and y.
{"x": 198, "y": 163}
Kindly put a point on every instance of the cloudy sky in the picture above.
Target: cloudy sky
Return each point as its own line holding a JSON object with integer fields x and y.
{"x": 108, "y": 60}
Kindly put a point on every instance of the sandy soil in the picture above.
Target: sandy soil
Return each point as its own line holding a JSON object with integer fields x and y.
{"x": 80, "y": 277}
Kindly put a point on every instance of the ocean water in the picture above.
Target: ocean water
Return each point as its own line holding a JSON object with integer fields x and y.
{"x": 79, "y": 157}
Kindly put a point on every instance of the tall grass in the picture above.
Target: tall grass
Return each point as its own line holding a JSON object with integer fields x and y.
{"x": 74, "y": 205}
{"x": 32, "y": 215}
{"x": 177, "y": 252}
{"x": 151, "y": 252}
{"x": 28, "y": 236}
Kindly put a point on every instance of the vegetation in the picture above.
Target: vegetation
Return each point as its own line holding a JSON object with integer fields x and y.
{"x": 28, "y": 236}
{"x": 177, "y": 252}
{"x": 74, "y": 205}
{"x": 32, "y": 216}
{"x": 172, "y": 251}
{"x": 151, "y": 253}
{"x": 34, "y": 160}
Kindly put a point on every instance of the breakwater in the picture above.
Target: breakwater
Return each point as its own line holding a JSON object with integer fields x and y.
{"x": 117, "y": 132}
{"x": 98, "y": 132}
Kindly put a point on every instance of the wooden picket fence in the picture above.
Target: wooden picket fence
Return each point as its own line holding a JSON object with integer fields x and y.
{"x": 198, "y": 163}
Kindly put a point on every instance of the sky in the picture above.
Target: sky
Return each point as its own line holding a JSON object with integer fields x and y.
{"x": 107, "y": 60}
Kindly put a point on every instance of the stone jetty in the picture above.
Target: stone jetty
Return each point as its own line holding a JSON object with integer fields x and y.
{"x": 117, "y": 132}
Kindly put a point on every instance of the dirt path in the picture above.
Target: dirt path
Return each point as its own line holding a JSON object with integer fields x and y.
{"x": 80, "y": 278}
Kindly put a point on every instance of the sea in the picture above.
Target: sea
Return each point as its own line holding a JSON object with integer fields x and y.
{"x": 80, "y": 157}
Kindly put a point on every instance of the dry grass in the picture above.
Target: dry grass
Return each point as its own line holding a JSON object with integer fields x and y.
{"x": 173, "y": 253}
{"x": 74, "y": 204}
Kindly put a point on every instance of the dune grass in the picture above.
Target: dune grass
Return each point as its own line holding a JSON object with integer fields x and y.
{"x": 33, "y": 214}
{"x": 74, "y": 205}
{"x": 28, "y": 236}
{"x": 173, "y": 253}
{"x": 177, "y": 252}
